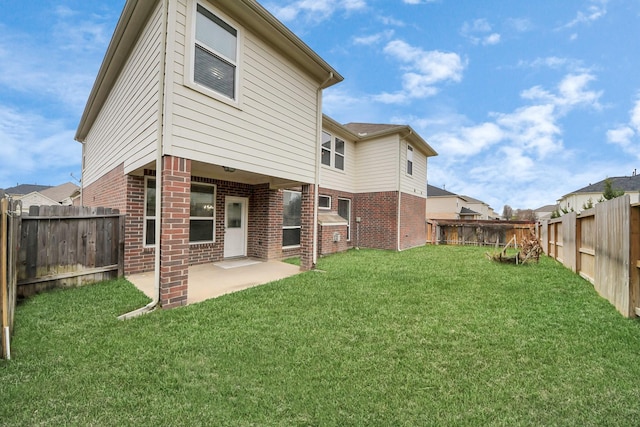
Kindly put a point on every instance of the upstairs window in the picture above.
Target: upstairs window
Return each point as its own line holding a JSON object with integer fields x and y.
{"x": 409, "y": 160}
{"x": 326, "y": 149}
{"x": 332, "y": 151}
{"x": 216, "y": 54}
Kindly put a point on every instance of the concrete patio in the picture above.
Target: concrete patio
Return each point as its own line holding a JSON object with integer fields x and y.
{"x": 213, "y": 280}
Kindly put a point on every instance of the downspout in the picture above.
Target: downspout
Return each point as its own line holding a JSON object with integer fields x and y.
{"x": 400, "y": 187}
{"x": 317, "y": 186}
{"x": 159, "y": 148}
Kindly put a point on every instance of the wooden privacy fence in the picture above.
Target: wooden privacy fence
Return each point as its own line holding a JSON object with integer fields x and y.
{"x": 69, "y": 246}
{"x": 476, "y": 232}
{"x": 601, "y": 244}
{"x": 57, "y": 246}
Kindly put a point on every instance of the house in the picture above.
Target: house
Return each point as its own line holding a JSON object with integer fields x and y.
{"x": 580, "y": 199}
{"x": 24, "y": 189}
{"x": 374, "y": 177}
{"x": 443, "y": 204}
{"x": 545, "y": 212}
{"x": 205, "y": 128}
{"x": 63, "y": 194}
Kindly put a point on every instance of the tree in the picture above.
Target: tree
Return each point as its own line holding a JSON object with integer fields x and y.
{"x": 507, "y": 212}
{"x": 609, "y": 192}
{"x": 525, "y": 215}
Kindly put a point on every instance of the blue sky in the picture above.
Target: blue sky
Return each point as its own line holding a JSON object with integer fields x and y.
{"x": 523, "y": 101}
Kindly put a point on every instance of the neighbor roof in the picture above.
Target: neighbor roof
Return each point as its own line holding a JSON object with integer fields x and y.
{"x": 22, "y": 189}
{"x": 60, "y": 192}
{"x": 433, "y": 191}
{"x": 626, "y": 183}
{"x": 467, "y": 211}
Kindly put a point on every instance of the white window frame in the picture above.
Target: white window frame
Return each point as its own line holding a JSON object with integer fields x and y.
{"x": 145, "y": 217}
{"x": 155, "y": 217}
{"x": 292, "y": 227}
{"x": 189, "y": 77}
{"x": 409, "y": 170}
{"x": 328, "y": 198}
{"x": 332, "y": 152}
{"x": 200, "y": 218}
{"x": 348, "y": 219}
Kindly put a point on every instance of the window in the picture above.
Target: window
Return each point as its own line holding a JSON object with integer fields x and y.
{"x": 150, "y": 212}
{"x": 291, "y": 218}
{"x": 326, "y": 149}
{"x": 409, "y": 160}
{"x": 332, "y": 148}
{"x": 324, "y": 202}
{"x": 202, "y": 213}
{"x": 344, "y": 210}
{"x": 215, "y": 54}
{"x": 339, "y": 155}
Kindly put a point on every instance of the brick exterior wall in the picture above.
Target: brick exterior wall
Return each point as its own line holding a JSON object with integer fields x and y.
{"x": 379, "y": 220}
{"x": 109, "y": 191}
{"x": 413, "y": 225}
{"x": 307, "y": 223}
{"x": 326, "y": 243}
{"x": 137, "y": 258}
{"x": 174, "y": 244}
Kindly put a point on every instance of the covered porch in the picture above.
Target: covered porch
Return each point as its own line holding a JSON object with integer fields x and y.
{"x": 212, "y": 280}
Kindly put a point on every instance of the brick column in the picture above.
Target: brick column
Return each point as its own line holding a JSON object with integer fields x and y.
{"x": 174, "y": 234}
{"x": 306, "y": 232}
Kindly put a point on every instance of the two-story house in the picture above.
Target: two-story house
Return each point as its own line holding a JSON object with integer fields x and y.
{"x": 205, "y": 128}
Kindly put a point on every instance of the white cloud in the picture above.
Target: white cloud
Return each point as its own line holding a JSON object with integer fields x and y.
{"x": 373, "y": 38}
{"x": 419, "y": 1}
{"x": 572, "y": 92}
{"x": 591, "y": 14}
{"x": 33, "y": 144}
{"x": 627, "y": 136}
{"x": 480, "y": 32}
{"x": 521, "y": 25}
{"x": 315, "y": 10}
{"x": 555, "y": 63}
{"x": 423, "y": 70}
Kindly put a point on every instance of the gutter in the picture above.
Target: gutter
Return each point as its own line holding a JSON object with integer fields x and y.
{"x": 159, "y": 148}
{"x": 316, "y": 191}
{"x": 403, "y": 139}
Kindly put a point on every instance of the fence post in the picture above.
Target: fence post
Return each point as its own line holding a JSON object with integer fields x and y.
{"x": 4, "y": 207}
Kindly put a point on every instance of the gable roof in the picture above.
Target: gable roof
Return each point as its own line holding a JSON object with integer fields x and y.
{"x": 547, "y": 208}
{"x": 22, "y": 189}
{"x": 626, "y": 183}
{"x": 363, "y": 129}
{"x": 367, "y": 131}
{"x": 249, "y": 13}
{"x": 433, "y": 191}
{"x": 467, "y": 211}
{"x": 60, "y": 192}
{"x": 472, "y": 200}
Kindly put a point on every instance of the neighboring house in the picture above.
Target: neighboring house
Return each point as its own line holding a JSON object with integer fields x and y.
{"x": 443, "y": 204}
{"x": 579, "y": 199}
{"x": 223, "y": 131}
{"x": 24, "y": 189}
{"x": 63, "y": 194}
{"x": 545, "y": 212}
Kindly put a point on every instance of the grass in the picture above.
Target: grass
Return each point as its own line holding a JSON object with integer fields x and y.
{"x": 431, "y": 336}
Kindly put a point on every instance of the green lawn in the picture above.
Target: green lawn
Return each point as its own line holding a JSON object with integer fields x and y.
{"x": 431, "y": 336}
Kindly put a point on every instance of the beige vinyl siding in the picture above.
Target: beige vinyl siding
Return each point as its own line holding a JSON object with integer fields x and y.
{"x": 415, "y": 183}
{"x": 443, "y": 207}
{"x": 274, "y": 130}
{"x": 336, "y": 179}
{"x": 125, "y": 130}
{"x": 377, "y": 162}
